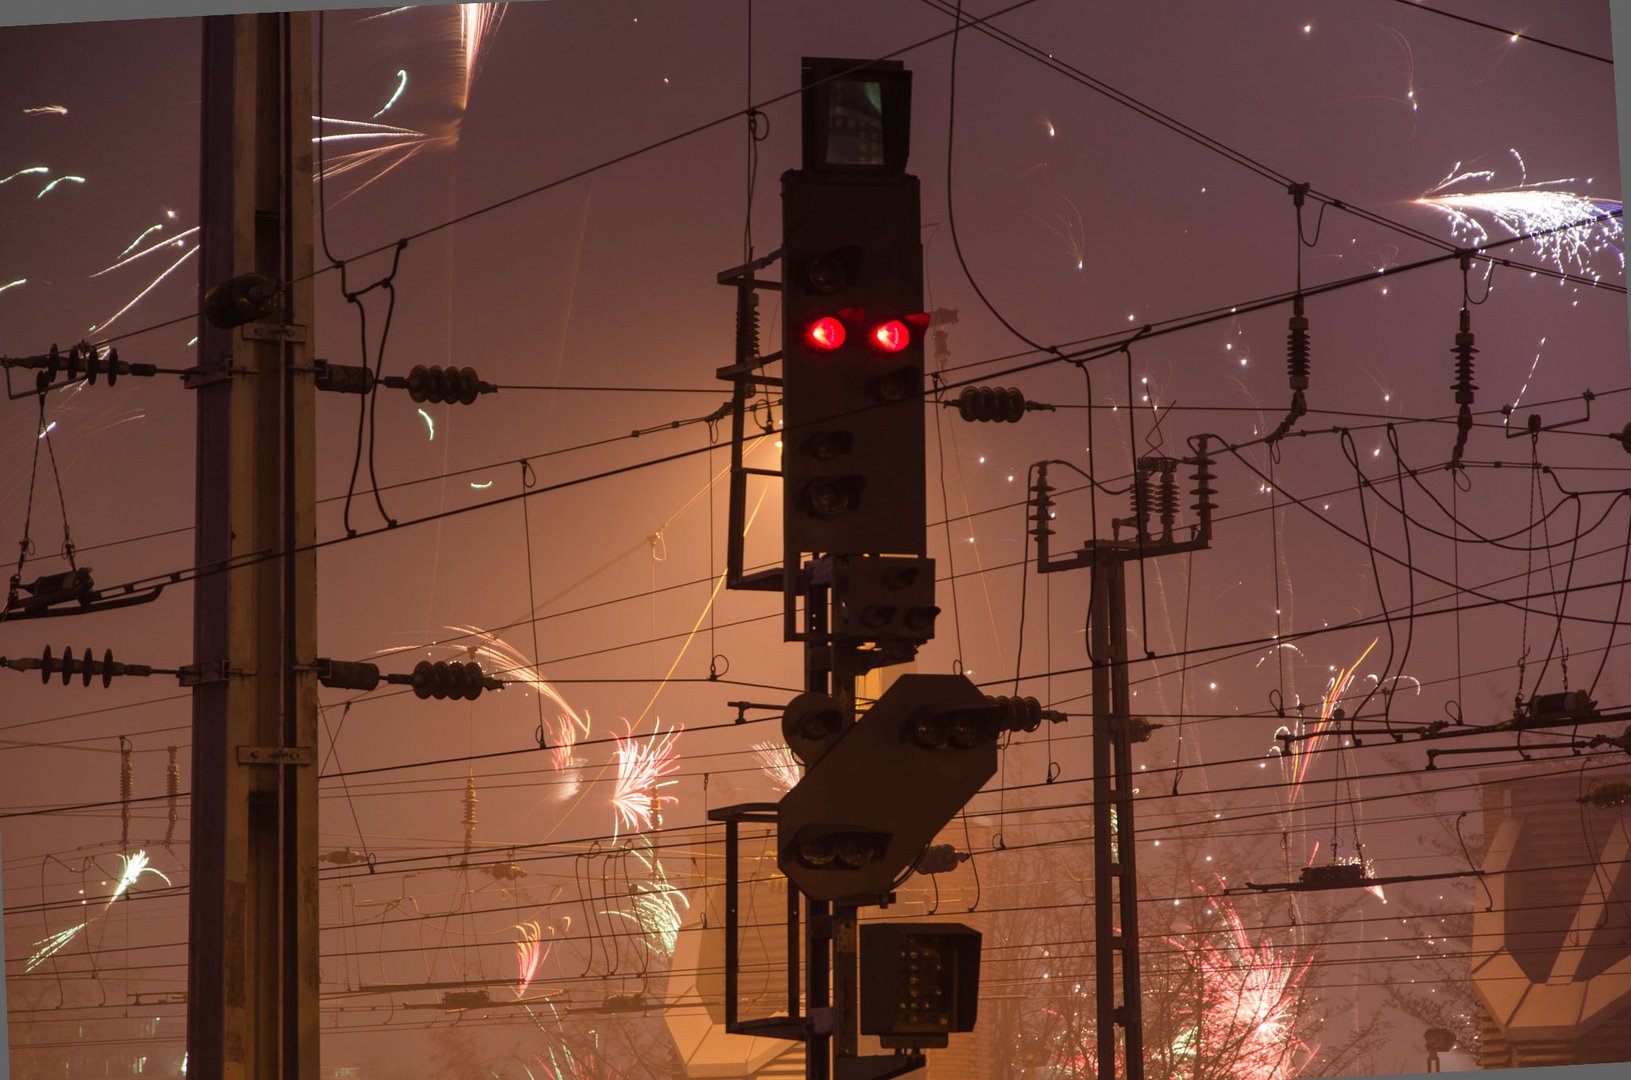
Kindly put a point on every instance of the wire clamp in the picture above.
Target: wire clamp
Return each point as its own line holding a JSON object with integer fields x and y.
{"x": 291, "y": 332}
{"x": 275, "y": 755}
{"x": 204, "y": 674}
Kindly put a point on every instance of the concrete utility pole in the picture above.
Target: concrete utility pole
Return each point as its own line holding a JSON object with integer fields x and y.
{"x": 1115, "y": 729}
{"x": 252, "y": 945}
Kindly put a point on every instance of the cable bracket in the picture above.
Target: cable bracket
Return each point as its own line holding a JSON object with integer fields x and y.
{"x": 275, "y": 755}
{"x": 291, "y": 332}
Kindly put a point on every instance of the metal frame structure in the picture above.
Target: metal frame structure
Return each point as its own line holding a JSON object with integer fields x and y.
{"x": 1115, "y": 864}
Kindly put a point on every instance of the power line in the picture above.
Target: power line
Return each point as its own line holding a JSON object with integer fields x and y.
{"x": 1511, "y": 35}
{"x": 612, "y": 389}
{"x": 590, "y": 170}
{"x": 1052, "y": 62}
{"x": 579, "y": 902}
{"x": 1248, "y": 645}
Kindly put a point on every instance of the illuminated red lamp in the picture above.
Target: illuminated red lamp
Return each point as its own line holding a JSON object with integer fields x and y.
{"x": 826, "y": 333}
{"x": 892, "y": 336}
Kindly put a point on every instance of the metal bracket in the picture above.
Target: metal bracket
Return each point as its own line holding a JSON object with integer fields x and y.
{"x": 204, "y": 674}
{"x": 196, "y": 378}
{"x": 275, "y": 755}
{"x": 793, "y": 1029}
{"x": 738, "y": 275}
{"x": 292, "y": 332}
{"x": 1534, "y": 426}
{"x": 742, "y": 708}
{"x": 878, "y": 1066}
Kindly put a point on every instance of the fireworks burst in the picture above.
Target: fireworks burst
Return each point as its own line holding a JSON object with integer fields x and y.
{"x": 173, "y": 243}
{"x": 379, "y": 149}
{"x": 129, "y": 874}
{"x": 363, "y": 143}
{"x": 563, "y": 1064}
{"x": 563, "y": 1059}
{"x": 1245, "y": 1019}
{"x": 658, "y": 907}
{"x": 477, "y": 25}
{"x": 1584, "y": 227}
{"x": 135, "y": 866}
{"x": 1307, "y": 741}
{"x": 503, "y": 657}
{"x": 779, "y": 764}
{"x": 49, "y": 947}
{"x": 568, "y": 729}
{"x": 641, "y": 765}
{"x": 1068, "y": 227}
{"x": 529, "y": 953}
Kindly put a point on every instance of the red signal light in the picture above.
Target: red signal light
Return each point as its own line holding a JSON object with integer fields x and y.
{"x": 825, "y": 333}
{"x": 892, "y": 336}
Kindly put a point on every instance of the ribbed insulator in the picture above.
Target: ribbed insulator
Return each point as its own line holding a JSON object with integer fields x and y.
{"x": 1203, "y": 490}
{"x": 1297, "y": 365}
{"x": 1141, "y": 502}
{"x": 172, "y": 788}
{"x": 1463, "y": 353}
{"x": 469, "y": 814}
{"x": 126, "y": 773}
{"x": 1166, "y": 502}
{"x": 747, "y": 327}
{"x": 1042, "y": 506}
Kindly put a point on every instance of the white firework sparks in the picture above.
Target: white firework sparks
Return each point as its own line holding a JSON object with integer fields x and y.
{"x": 1579, "y": 227}
{"x": 32, "y": 170}
{"x": 659, "y": 907}
{"x": 642, "y": 765}
{"x": 365, "y": 144}
{"x": 373, "y": 149}
{"x": 49, "y": 947}
{"x": 529, "y": 952}
{"x": 477, "y": 25}
{"x": 129, "y": 874}
{"x": 135, "y": 866}
{"x": 401, "y": 85}
{"x": 779, "y": 764}
{"x": 53, "y": 185}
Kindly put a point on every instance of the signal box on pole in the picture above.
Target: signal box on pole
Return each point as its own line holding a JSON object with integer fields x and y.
{"x": 878, "y": 794}
{"x": 853, "y": 321}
